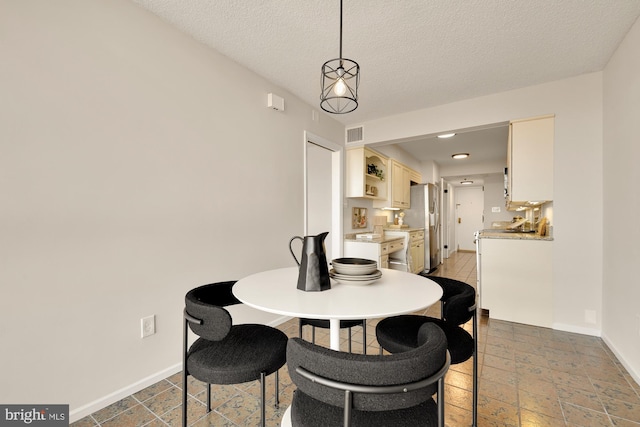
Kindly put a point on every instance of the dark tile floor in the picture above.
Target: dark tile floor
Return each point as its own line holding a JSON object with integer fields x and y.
{"x": 528, "y": 377}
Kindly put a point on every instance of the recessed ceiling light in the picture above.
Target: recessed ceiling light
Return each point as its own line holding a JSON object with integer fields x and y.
{"x": 446, "y": 135}
{"x": 460, "y": 155}
{"x": 465, "y": 182}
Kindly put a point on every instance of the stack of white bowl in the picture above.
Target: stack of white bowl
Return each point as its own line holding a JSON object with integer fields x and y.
{"x": 355, "y": 271}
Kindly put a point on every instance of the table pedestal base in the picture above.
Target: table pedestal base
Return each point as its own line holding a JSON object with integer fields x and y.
{"x": 334, "y": 334}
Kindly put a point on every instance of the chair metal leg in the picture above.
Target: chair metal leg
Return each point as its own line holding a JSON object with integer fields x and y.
{"x": 208, "y": 398}
{"x": 313, "y": 334}
{"x": 441, "y": 402}
{"x": 277, "y": 388}
{"x": 262, "y": 398}
{"x": 364, "y": 336}
{"x": 185, "y": 374}
{"x": 350, "y": 340}
{"x": 474, "y": 409}
{"x": 348, "y": 402}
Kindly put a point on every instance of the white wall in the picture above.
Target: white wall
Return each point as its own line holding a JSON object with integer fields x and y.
{"x": 494, "y": 197}
{"x": 621, "y": 323}
{"x": 577, "y": 104}
{"x": 136, "y": 164}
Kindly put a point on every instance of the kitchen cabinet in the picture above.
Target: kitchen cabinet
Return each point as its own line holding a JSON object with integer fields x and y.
{"x": 530, "y": 161}
{"x": 367, "y": 174}
{"x": 399, "y": 186}
{"x": 515, "y": 280}
{"x": 413, "y": 257}
{"x": 375, "y": 250}
{"x": 416, "y": 251}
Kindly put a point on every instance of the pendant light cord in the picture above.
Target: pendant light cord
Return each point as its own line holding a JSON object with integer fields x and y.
{"x": 340, "y": 29}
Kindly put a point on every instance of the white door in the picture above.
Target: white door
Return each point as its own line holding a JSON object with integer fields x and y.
{"x": 469, "y": 211}
{"x": 323, "y": 192}
{"x": 319, "y": 193}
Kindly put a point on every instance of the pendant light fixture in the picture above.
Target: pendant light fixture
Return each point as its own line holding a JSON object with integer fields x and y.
{"x": 340, "y": 80}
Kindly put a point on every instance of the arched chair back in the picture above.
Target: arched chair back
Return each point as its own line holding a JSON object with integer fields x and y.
{"x": 206, "y": 304}
{"x": 458, "y": 300}
{"x": 336, "y": 388}
{"x": 458, "y": 303}
{"x": 227, "y": 353}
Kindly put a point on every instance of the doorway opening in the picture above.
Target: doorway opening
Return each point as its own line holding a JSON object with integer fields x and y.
{"x": 323, "y": 175}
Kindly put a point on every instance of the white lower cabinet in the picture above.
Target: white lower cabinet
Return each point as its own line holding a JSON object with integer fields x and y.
{"x": 516, "y": 282}
{"x": 372, "y": 250}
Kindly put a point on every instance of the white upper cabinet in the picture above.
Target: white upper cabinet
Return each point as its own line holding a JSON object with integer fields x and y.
{"x": 530, "y": 160}
{"x": 399, "y": 186}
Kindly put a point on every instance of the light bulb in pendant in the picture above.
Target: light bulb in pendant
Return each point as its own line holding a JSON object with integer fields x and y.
{"x": 340, "y": 88}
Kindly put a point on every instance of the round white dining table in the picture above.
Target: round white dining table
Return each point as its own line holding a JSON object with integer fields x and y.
{"x": 396, "y": 292}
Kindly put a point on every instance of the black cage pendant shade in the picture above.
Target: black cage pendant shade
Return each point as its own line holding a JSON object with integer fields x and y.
{"x": 340, "y": 81}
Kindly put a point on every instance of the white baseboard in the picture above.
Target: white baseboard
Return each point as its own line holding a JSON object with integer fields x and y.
{"x": 117, "y": 395}
{"x": 103, "y": 402}
{"x": 598, "y": 333}
{"x": 279, "y": 321}
{"x": 627, "y": 366}
{"x": 577, "y": 329}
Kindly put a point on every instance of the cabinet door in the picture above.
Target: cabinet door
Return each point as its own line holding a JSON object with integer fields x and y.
{"x": 406, "y": 188}
{"x": 419, "y": 258}
{"x": 397, "y": 185}
{"x": 400, "y": 186}
{"x": 531, "y": 159}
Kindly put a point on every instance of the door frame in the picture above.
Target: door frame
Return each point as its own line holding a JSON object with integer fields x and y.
{"x": 337, "y": 177}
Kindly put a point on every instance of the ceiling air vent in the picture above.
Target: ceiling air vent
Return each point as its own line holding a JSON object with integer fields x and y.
{"x": 355, "y": 135}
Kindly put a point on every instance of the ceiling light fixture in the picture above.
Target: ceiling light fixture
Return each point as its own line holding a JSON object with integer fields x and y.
{"x": 465, "y": 182}
{"x": 446, "y": 135}
{"x": 340, "y": 81}
{"x": 460, "y": 156}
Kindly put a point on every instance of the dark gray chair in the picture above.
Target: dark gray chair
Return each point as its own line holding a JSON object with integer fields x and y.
{"x": 227, "y": 353}
{"x": 458, "y": 303}
{"x": 352, "y": 390}
{"x": 324, "y": 324}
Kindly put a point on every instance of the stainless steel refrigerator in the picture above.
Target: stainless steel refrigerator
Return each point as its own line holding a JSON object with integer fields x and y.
{"x": 425, "y": 212}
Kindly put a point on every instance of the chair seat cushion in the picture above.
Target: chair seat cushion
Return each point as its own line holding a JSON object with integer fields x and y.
{"x": 309, "y": 412}
{"x": 398, "y": 334}
{"x": 241, "y": 356}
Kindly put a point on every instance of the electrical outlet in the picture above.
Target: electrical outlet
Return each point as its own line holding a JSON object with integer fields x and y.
{"x": 148, "y": 326}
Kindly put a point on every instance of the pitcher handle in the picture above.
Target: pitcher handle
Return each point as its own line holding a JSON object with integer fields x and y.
{"x": 291, "y": 250}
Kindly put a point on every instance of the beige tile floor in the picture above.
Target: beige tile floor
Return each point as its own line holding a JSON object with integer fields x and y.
{"x": 529, "y": 377}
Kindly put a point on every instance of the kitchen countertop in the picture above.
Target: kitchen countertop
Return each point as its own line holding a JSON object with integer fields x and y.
{"x": 513, "y": 235}
{"x": 384, "y": 239}
{"x": 406, "y": 229}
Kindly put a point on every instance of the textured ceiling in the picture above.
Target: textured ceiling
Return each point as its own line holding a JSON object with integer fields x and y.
{"x": 414, "y": 53}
